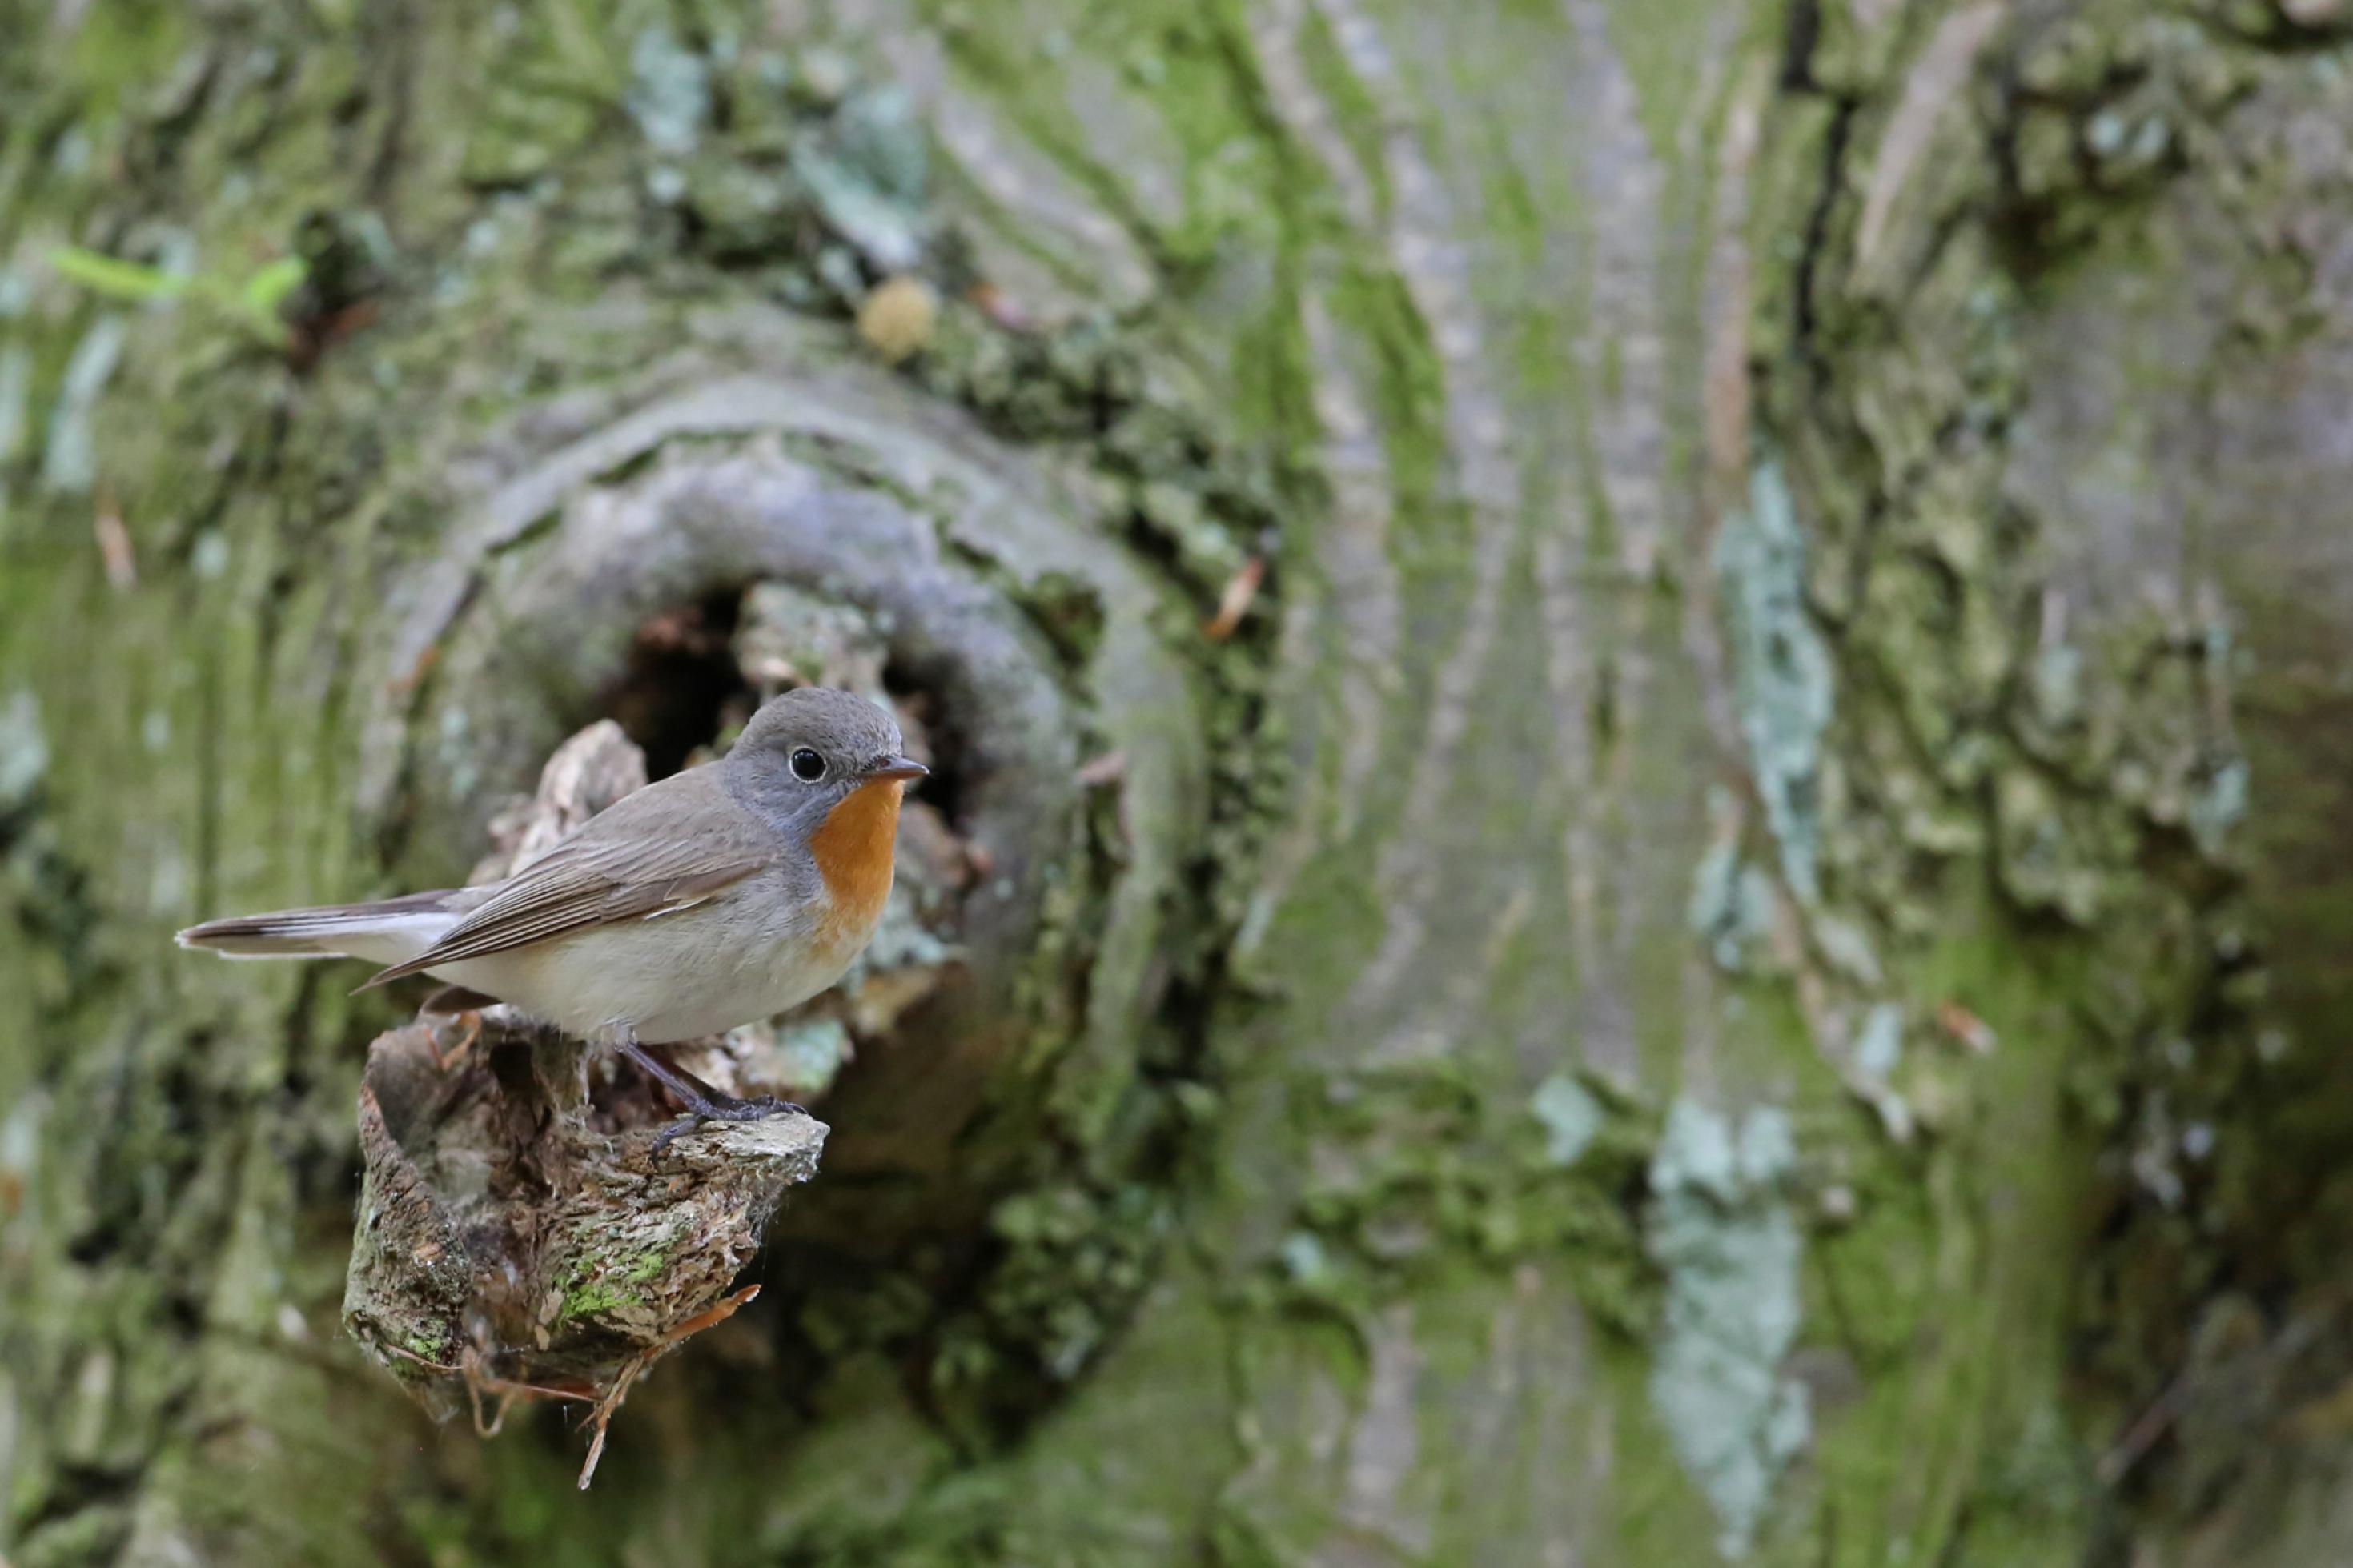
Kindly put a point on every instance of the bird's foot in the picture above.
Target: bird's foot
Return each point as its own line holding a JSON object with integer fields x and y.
{"x": 702, "y": 1103}
{"x": 725, "y": 1107}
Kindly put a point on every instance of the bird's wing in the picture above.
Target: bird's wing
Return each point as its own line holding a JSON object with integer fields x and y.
{"x": 642, "y": 858}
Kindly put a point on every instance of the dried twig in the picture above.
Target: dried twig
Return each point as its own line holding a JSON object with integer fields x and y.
{"x": 479, "y": 1382}
{"x": 115, "y": 544}
{"x": 992, "y": 302}
{"x": 601, "y": 1417}
{"x": 1235, "y": 602}
{"x": 402, "y": 685}
{"x": 472, "y": 1021}
{"x": 2152, "y": 1424}
{"x": 1965, "y": 1026}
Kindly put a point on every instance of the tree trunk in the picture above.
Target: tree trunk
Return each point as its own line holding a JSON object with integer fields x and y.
{"x": 1636, "y": 852}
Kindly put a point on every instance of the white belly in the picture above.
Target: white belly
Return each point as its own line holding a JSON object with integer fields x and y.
{"x": 676, "y": 977}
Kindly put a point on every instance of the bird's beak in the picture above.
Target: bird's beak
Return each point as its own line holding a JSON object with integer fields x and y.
{"x": 897, "y": 768}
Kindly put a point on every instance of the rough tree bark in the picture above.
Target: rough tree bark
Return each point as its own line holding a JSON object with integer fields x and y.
{"x": 1731, "y": 960}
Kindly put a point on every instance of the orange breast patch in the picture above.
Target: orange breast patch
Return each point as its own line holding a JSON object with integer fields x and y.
{"x": 853, "y": 847}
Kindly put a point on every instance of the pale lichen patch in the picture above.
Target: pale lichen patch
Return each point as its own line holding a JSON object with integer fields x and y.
{"x": 23, "y": 749}
{"x": 1571, "y": 1115}
{"x": 70, "y": 464}
{"x": 1785, "y": 682}
{"x": 1724, "y": 1234}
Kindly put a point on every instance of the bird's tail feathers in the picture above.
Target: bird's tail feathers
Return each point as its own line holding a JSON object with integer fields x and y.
{"x": 330, "y": 931}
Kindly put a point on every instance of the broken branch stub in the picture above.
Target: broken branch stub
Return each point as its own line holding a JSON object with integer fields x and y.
{"x": 517, "y": 1237}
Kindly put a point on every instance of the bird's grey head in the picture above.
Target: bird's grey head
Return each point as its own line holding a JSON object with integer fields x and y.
{"x": 810, "y": 747}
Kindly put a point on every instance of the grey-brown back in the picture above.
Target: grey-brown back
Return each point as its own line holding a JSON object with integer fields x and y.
{"x": 666, "y": 848}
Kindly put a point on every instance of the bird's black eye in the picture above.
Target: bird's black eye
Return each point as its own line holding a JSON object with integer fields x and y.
{"x": 807, "y": 766}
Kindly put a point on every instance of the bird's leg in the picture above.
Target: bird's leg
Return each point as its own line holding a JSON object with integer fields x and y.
{"x": 702, "y": 1103}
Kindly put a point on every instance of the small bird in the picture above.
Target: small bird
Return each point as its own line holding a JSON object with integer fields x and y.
{"x": 713, "y": 898}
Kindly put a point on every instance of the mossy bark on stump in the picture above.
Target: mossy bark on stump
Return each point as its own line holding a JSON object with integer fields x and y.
{"x": 1641, "y": 848}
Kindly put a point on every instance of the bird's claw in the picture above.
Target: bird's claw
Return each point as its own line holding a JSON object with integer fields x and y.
{"x": 727, "y": 1109}
{"x": 761, "y": 1106}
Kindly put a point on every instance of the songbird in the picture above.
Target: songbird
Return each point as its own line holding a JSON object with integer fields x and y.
{"x": 710, "y": 898}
